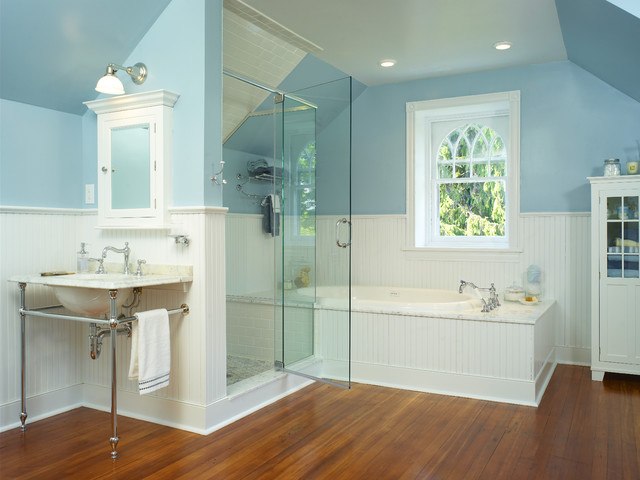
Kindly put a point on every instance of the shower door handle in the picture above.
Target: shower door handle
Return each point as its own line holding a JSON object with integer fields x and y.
{"x": 339, "y": 224}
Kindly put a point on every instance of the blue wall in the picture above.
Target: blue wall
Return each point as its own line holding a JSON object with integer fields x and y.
{"x": 46, "y": 157}
{"x": 40, "y": 157}
{"x": 179, "y": 59}
{"x": 570, "y": 122}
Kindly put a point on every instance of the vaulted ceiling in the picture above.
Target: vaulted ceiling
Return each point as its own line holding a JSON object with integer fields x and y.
{"x": 53, "y": 51}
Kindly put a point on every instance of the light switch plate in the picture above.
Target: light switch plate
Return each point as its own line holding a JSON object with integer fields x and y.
{"x": 89, "y": 193}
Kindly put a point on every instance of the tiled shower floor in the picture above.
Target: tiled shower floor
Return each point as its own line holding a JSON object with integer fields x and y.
{"x": 239, "y": 368}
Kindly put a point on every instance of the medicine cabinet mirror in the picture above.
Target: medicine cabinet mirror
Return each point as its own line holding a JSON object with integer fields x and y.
{"x": 134, "y": 159}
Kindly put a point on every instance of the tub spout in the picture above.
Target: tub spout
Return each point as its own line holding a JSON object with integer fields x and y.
{"x": 464, "y": 284}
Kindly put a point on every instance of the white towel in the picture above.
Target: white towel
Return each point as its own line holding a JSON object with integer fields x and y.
{"x": 150, "y": 350}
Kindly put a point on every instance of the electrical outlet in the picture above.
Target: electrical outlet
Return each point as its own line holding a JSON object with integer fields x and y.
{"x": 89, "y": 193}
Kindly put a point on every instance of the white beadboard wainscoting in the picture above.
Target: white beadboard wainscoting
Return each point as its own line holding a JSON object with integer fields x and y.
{"x": 557, "y": 242}
{"x": 58, "y": 350}
{"x": 60, "y": 374}
{"x": 36, "y": 241}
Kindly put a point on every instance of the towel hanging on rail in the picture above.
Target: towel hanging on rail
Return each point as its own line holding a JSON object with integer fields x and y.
{"x": 150, "y": 350}
{"x": 271, "y": 214}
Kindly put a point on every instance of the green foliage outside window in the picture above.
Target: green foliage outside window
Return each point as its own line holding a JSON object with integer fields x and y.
{"x": 306, "y": 190}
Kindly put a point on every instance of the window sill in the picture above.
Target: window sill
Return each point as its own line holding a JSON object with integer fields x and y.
{"x": 463, "y": 254}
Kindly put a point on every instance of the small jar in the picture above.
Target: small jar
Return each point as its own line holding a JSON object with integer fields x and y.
{"x": 612, "y": 167}
{"x": 514, "y": 293}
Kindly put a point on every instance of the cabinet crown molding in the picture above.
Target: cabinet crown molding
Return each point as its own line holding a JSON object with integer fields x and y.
{"x": 134, "y": 100}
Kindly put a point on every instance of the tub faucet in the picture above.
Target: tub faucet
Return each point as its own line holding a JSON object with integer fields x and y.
{"x": 464, "y": 284}
{"x": 126, "y": 251}
{"x": 487, "y": 306}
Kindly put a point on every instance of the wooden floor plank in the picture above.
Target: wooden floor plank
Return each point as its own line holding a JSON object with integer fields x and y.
{"x": 582, "y": 430}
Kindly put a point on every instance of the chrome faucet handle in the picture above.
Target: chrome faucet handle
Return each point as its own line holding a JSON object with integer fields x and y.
{"x": 100, "y": 261}
{"x": 139, "y": 270}
{"x": 126, "y": 251}
{"x": 485, "y": 306}
{"x": 494, "y": 295}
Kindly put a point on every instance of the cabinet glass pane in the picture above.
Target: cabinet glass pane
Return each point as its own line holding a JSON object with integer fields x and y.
{"x": 631, "y": 210}
{"x": 614, "y": 266}
{"x": 614, "y": 236}
{"x": 613, "y": 208}
{"x": 631, "y": 266}
{"x": 630, "y": 234}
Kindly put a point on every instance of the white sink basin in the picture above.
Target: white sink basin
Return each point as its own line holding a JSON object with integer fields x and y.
{"x": 88, "y": 293}
{"x": 91, "y": 302}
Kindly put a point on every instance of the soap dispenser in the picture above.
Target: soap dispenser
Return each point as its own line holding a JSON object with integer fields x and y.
{"x": 83, "y": 259}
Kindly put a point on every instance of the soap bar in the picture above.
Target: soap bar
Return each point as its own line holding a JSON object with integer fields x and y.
{"x": 54, "y": 274}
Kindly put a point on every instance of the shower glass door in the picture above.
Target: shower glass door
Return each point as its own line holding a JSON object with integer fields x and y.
{"x": 313, "y": 267}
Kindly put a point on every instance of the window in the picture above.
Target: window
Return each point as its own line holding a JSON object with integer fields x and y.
{"x": 305, "y": 191}
{"x": 462, "y": 172}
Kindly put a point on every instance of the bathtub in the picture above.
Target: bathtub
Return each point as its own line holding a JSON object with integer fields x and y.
{"x": 392, "y": 299}
{"x": 439, "y": 341}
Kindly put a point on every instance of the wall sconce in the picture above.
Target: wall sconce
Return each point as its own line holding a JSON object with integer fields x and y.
{"x": 112, "y": 85}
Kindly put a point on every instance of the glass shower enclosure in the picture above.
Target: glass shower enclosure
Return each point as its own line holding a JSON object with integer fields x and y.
{"x": 306, "y": 211}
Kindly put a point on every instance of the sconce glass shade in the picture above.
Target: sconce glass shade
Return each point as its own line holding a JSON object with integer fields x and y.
{"x": 110, "y": 84}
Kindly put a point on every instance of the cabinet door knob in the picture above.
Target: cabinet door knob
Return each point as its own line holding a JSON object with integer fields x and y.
{"x": 105, "y": 169}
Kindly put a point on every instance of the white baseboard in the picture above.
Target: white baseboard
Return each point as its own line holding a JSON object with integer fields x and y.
{"x": 573, "y": 355}
{"x": 229, "y": 409}
{"x": 163, "y": 411}
{"x": 518, "y": 392}
{"x": 41, "y": 406}
{"x": 545, "y": 374}
{"x": 206, "y": 419}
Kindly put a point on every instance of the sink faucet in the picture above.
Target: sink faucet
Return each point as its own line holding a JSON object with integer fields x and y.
{"x": 126, "y": 251}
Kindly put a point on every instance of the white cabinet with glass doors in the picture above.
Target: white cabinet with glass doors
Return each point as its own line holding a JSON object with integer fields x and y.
{"x": 615, "y": 279}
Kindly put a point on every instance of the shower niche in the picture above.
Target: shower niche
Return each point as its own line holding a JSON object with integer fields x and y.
{"x": 290, "y": 159}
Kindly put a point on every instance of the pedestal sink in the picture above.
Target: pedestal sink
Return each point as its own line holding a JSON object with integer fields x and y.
{"x": 88, "y": 293}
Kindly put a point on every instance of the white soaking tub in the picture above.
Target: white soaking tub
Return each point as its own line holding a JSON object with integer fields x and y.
{"x": 440, "y": 341}
{"x": 388, "y": 299}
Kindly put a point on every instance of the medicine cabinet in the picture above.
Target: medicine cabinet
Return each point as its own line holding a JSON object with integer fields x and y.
{"x": 134, "y": 159}
{"x": 615, "y": 279}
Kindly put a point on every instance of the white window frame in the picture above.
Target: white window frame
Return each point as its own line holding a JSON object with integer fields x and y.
{"x": 421, "y": 194}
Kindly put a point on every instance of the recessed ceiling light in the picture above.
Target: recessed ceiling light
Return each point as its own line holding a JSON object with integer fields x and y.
{"x": 387, "y": 63}
{"x": 502, "y": 45}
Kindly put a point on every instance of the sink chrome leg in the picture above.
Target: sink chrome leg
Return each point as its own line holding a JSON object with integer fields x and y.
{"x": 23, "y": 386}
{"x": 113, "y": 324}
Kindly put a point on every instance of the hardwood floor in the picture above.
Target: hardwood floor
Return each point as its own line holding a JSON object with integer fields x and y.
{"x": 582, "y": 430}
